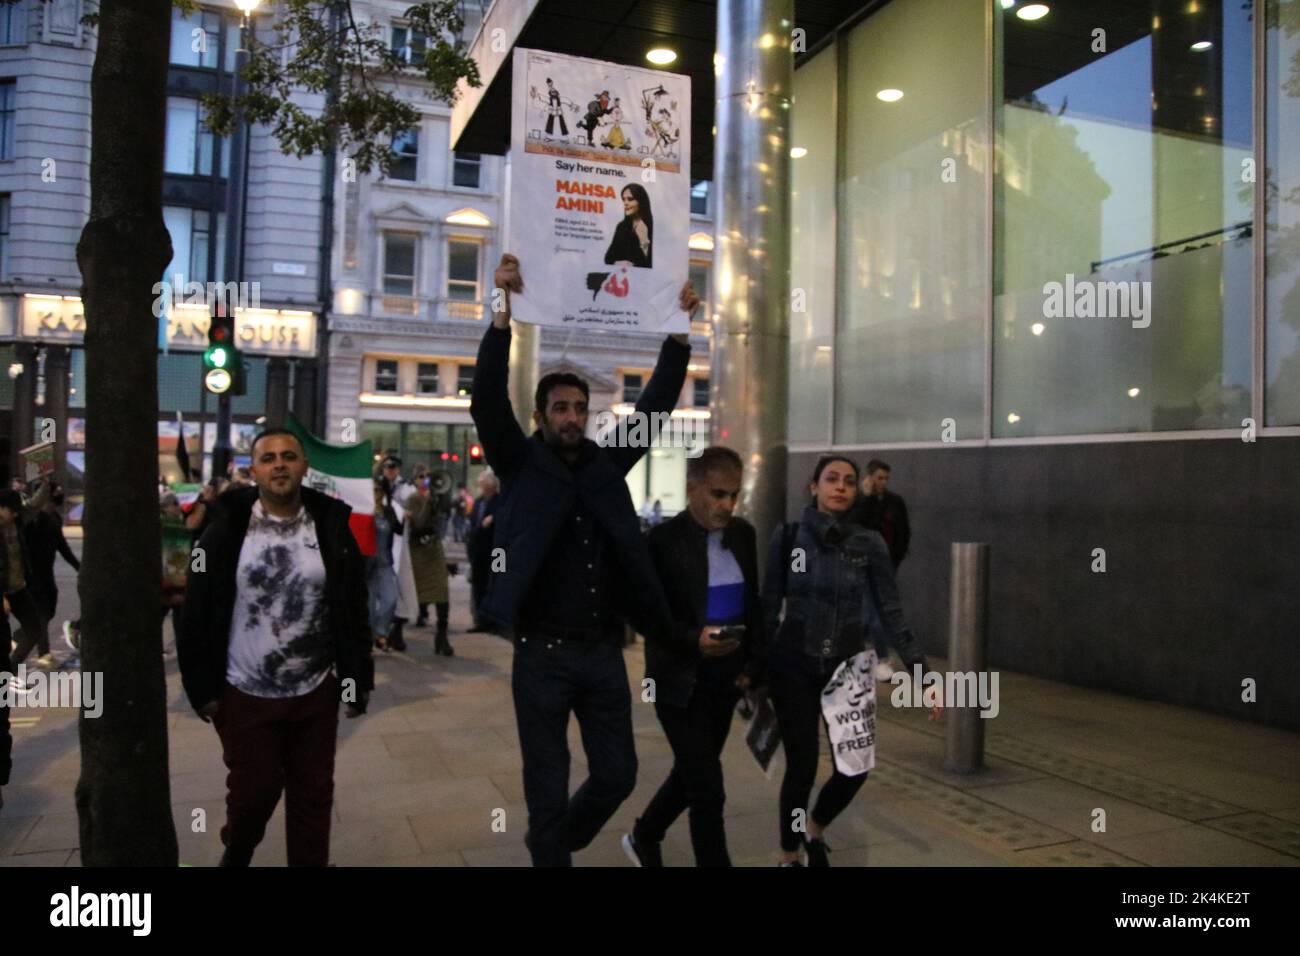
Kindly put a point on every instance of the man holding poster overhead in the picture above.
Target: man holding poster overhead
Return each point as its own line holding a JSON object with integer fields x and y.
{"x": 569, "y": 568}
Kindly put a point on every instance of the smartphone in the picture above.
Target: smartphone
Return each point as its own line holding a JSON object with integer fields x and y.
{"x": 732, "y": 632}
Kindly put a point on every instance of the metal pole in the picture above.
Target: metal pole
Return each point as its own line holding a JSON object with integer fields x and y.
{"x": 329, "y": 172}
{"x": 751, "y": 268}
{"x": 967, "y": 651}
{"x": 221, "y": 450}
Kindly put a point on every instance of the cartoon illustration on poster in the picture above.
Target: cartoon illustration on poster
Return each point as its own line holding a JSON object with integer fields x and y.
{"x": 599, "y": 193}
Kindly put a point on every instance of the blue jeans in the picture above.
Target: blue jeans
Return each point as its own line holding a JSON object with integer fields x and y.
{"x": 382, "y": 583}
{"x": 552, "y": 679}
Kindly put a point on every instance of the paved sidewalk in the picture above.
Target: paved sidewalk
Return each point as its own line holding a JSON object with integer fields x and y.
{"x": 421, "y": 779}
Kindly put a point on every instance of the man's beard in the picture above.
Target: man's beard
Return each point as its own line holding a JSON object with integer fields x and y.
{"x": 567, "y": 440}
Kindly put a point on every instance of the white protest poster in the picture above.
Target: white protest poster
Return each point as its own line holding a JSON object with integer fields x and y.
{"x": 849, "y": 706}
{"x": 599, "y": 193}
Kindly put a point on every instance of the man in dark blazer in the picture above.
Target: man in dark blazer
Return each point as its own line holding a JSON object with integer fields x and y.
{"x": 707, "y": 560}
{"x": 574, "y": 571}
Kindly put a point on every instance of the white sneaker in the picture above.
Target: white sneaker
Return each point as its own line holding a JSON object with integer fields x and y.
{"x": 884, "y": 671}
{"x": 17, "y": 685}
{"x": 45, "y": 660}
{"x": 72, "y": 637}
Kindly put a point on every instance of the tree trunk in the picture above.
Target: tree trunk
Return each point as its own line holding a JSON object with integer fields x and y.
{"x": 124, "y": 794}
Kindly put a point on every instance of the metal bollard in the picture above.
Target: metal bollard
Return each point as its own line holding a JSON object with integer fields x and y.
{"x": 967, "y": 651}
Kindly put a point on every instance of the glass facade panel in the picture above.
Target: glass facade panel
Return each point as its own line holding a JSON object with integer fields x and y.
{"x": 812, "y": 248}
{"x": 1123, "y": 259}
{"x": 1281, "y": 179}
{"x": 913, "y": 277}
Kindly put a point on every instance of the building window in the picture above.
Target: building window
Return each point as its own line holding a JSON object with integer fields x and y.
{"x": 8, "y": 108}
{"x": 631, "y": 388}
{"x": 465, "y": 380}
{"x": 426, "y": 378}
{"x": 701, "y": 393}
{"x": 399, "y": 264}
{"x": 462, "y": 271}
{"x": 386, "y": 375}
{"x": 193, "y": 244}
{"x": 466, "y": 170}
{"x": 196, "y": 38}
{"x": 471, "y": 12}
{"x": 406, "y": 152}
{"x": 11, "y": 23}
{"x": 409, "y": 44}
{"x": 190, "y": 144}
{"x": 700, "y": 197}
{"x": 4, "y": 236}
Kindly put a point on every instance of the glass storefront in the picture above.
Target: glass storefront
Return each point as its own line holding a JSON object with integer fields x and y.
{"x": 439, "y": 447}
{"x": 1041, "y": 221}
{"x": 909, "y": 349}
{"x": 1280, "y": 180}
{"x": 1120, "y": 177}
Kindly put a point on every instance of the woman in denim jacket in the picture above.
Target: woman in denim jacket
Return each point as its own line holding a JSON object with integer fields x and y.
{"x": 830, "y": 573}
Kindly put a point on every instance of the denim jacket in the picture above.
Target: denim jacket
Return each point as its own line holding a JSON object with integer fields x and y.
{"x": 846, "y": 569}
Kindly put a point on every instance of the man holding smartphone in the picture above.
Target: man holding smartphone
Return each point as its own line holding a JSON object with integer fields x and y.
{"x": 707, "y": 560}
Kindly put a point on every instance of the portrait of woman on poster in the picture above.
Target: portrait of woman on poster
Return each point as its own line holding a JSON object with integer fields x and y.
{"x": 634, "y": 235}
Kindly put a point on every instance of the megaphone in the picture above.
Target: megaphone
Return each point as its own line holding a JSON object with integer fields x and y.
{"x": 440, "y": 482}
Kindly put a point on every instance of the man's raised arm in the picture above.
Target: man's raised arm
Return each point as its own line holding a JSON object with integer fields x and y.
{"x": 665, "y": 386}
{"x": 499, "y": 433}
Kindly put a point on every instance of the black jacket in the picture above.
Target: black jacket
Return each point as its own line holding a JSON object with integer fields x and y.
{"x": 23, "y": 522}
{"x": 830, "y": 574}
{"x": 203, "y": 630}
{"x": 479, "y": 546}
{"x": 538, "y": 491}
{"x": 679, "y": 547}
{"x": 6, "y": 745}
{"x": 45, "y": 541}
{"x": 888, "y": 515}
{"x": 626, "y": 247}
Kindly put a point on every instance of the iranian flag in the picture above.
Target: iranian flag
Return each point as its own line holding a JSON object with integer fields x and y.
{"x": 342, "y": 471}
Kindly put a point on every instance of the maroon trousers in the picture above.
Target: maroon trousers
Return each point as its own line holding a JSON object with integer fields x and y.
{"x": 274, "y": 744}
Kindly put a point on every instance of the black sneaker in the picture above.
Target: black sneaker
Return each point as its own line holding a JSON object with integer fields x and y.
{"x": 817, "y": 853}
{"x": 642, "y": 854}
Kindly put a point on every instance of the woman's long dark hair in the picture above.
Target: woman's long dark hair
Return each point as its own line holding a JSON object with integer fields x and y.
{"x": 825, "y": 460}
{"x": 643, "y": 208}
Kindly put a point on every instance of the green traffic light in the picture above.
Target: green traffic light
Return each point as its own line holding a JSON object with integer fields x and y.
{"x": 218, "y": 357}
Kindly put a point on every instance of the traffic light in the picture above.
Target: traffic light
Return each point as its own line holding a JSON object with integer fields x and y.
{"x": 475, "y": 455}
{"x": 222, "y": 361}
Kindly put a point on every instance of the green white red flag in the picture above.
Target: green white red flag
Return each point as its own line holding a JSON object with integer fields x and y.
{"x": 342, "y": 471}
